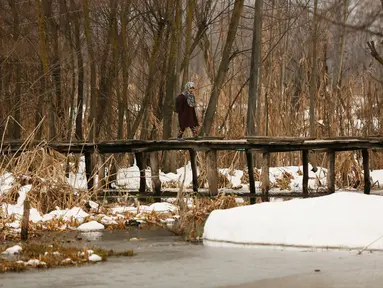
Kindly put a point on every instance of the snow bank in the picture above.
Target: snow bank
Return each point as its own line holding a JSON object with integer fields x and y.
{"x": 340, "y": 220}
{"x": 162, "y": 207}
{"x": 94, "y": 258}
{"x": 12, "y": 250}
{"x": 91, "y": 226}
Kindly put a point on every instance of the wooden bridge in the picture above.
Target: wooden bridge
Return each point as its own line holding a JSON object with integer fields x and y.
{"x": 211, "y": 145}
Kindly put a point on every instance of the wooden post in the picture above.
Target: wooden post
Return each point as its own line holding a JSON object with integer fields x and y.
{"x": 331, "y": 171}
{"x": 212, "y": 171}
{"x": 89, "y": 170}
{"x": 265, "y": 176}
{"x": 193, "y": 161}
{"x": 250, "y": 168}
{"x": 25, "y": 221}
{"x": 366, "y": 169}
{"x": 155, "y": 168}
{"x": 140, "y": 163}
{"x": 101, "y": 179}
{"x": 305, "y": 162}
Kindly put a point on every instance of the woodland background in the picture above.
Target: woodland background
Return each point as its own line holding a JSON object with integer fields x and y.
{"x": 105, "y": 69}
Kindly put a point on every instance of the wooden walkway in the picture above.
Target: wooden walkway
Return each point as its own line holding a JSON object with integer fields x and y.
{"x": 257, "y": 144}
{"x": 211, "y": 145}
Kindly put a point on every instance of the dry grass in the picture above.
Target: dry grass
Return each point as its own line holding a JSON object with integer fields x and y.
{"x": 54, "y": 255}
{"x": 44, "y": 169}
{"x": 348, "y": 170}
{"x": 170, "y": 184}
{"x": 192, "y": 220}
{"x": 245, "y": 177}
{"x": 283, "y": 182}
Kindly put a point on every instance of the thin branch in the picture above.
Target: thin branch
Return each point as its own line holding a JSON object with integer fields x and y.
{"x": 373, "y": 52}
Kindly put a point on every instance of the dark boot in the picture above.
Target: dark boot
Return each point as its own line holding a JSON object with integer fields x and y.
{"x": 195, "y": 132}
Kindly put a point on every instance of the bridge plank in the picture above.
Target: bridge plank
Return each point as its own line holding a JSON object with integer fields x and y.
{"x": 270, "y": 144}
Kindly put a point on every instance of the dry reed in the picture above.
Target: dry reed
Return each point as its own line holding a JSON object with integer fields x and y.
{"x": 192, "y": 220}
{"x": 44, "y": 169}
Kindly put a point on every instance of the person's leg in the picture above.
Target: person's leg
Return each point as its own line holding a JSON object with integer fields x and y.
{"x": 195, "y": 131}
{"x": 180, "y": 133}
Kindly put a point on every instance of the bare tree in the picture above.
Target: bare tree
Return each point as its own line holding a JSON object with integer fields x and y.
{"x": 92, "y": 64}
{"x": 254, "y": 96}
{"x": 221, "y": 73}
{"x": 313, "y": 84}
{"x": 43, "y": 32}
{"x": 16, "y": 31}
{"x": 171, "y": 85}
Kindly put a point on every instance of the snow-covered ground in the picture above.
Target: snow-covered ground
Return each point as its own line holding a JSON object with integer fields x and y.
{"x": 340, "y": 220}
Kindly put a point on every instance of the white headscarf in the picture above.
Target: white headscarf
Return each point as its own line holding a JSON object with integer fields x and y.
{"x": 189, "y": 96}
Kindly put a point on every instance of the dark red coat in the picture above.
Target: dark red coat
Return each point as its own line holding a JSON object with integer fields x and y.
{"x": 186, "y": 114}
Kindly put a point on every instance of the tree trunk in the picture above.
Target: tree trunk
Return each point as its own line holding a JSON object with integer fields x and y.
{"x": 313, "y": 82}
{"x": 106, "y": 76}
{"x": 270, "y": 74}
{"x": 92, "y": 64}
{"x": 65, "y": 19}
{"x": 208, "y": 57}
{"x": 148, "y": 91}
{"x": 220, "y": 77}
{"x": 259, "y": 52}
{"x": 57, "y": 101}
{"x": 40, "y": 104}
{"x": 17, "y": 102}
{"x": 125, "y": 67}
{"x": 339, "y": 67}
{"x": 254, "y": 97}
{"x": 171, "y": 88}
{"x": 189, "y": 23}
{"x": 171, "y": 76}
{"x": 45, "y": 62}
{"x": 8, "y": 72}
{"x": 80, "y": 77}
{"x": 122, "y": 48}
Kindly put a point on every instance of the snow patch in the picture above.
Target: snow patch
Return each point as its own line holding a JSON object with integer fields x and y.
{"x": 94, "y": 258}
{"x": 91, "y": 226}
{"x": 13, "y": 250}
{"x": 6, "y": 182}
{"x": 341, "y": 220}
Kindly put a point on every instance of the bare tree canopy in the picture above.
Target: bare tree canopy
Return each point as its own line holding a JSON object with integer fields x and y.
{"x": 81, "y": 69}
